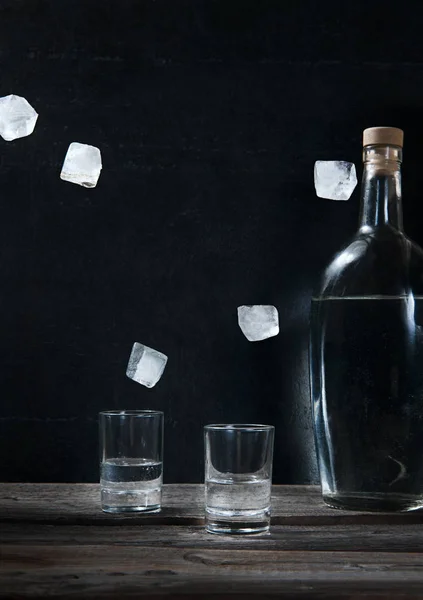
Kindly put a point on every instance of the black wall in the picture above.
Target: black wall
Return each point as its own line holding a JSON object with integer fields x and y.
{"x": 209, "y": 116}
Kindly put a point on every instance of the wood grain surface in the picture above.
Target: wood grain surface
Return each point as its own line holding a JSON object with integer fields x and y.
{"x": 56, "y": 543}
{"x": 182, "y": 504}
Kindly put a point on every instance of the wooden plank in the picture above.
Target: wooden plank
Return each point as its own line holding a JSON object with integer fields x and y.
{"x": 126, "y": 571}
{"x": 80, "y": 503}
{"x": 358, "y": 538}
{"x": 182, "y": 504}
{"x": 56, "y": 542}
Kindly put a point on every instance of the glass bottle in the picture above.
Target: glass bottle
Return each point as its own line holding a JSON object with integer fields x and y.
{"x": 366, "y": 350}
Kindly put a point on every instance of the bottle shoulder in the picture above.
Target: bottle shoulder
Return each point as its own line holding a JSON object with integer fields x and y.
{"x": 382, "y": 261}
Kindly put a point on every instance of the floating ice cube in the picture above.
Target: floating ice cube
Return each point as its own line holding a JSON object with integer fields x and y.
{"x": 17, "y": 117}
{"x": 334, "y": 179}
{"x": 146, "y": 365}
{"x": 258, "y": 322}
{"x": 82, "y": 165}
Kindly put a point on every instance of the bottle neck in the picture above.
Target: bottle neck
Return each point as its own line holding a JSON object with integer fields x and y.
{"x": 381, "y": 203}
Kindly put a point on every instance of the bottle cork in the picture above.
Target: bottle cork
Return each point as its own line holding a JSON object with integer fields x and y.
{"x": 391, "y": 136}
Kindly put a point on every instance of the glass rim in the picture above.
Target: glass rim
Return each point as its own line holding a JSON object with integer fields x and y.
{"x": 238, "y": 427}
{"x": 131, "y": 413}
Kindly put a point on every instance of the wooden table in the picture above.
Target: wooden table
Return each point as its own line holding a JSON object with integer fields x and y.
{"x": 56, "y": 543}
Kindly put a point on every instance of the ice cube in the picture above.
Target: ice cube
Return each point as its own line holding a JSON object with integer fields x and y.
{"x": 17, "y": 117}
{"x": 146, "y": 365}
{"x": 334, "y": 179}
{"x": 82, "y": 165}
{"x": 258, "y": 322}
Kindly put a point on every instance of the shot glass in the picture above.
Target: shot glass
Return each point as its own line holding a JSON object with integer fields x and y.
{"x": 238, "y": 477}
{"x": 131, "y": 460}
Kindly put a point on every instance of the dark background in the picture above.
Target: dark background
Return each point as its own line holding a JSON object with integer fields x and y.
{"x": 209, "y": 116}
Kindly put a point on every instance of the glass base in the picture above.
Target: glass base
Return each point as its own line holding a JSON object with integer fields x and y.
{"x": 258, "y": 522}
{"x": 373, "y": 502}
{"x": 130, "y": 509}
{"x": 225, "y": 528}
{"x": 130, "y": 500}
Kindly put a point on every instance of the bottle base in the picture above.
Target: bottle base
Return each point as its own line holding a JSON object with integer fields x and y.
{"x": 372, "y": 502}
